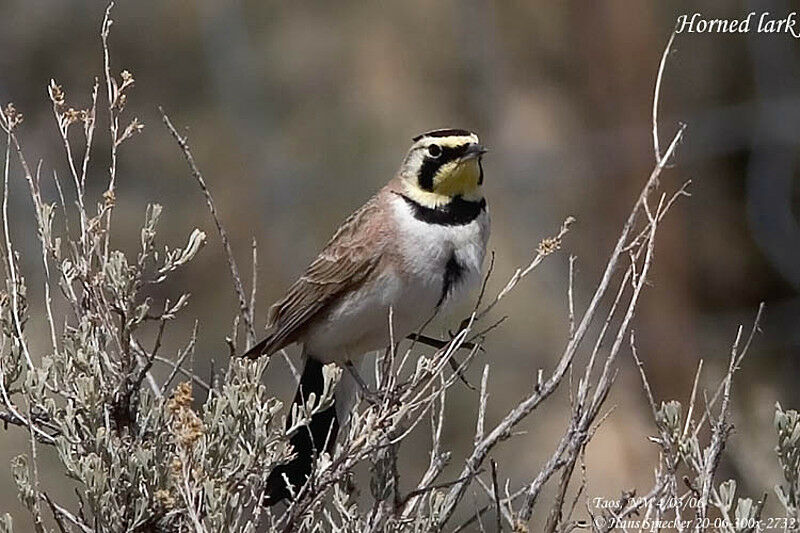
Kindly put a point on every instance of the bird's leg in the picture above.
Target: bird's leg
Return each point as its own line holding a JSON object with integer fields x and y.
{"x": 369, "y": 395}
{"x": 437, "y": 343}
{"x": 455, "y": 365}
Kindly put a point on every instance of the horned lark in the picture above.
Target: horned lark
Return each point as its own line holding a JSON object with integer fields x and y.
{"x": 416, "y": 246}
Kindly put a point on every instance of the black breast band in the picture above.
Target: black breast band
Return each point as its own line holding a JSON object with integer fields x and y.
{"x": 458, "y": 212}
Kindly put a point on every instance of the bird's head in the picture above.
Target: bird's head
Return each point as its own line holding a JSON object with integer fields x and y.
{"x": 441, "y": 165}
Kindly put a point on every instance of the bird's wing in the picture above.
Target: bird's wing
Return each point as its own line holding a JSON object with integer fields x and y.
{"x": 344, "y": 263}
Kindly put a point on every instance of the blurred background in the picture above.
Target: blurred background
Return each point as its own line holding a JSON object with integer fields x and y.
{"x": 298, "y": 112}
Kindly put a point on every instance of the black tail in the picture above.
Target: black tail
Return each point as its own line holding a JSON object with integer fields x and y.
{"x": 258, "y": 350}
{"x": 307, "y": 443}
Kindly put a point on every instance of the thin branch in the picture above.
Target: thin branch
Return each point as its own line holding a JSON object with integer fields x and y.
{"x": 188, "y": 350}
{"x": 546, "y": 247}
{"x": 496, "y": 494}
{"x": 570, "y": 295}
{"x": 10, "y": 260}
{"x": 692, "y": 400}
{"x": 244, "y": 308}
{"x": 61, "y": 513}
{"x": 721, "y": 427}
{"x": 532, "y": 401}
{"x": 657, "y": 95}
{"x": 724, "y": 382}
{"x": 186, "y": 373}
{"x": 253, "y": 288}
{"x": 645, "y": 382}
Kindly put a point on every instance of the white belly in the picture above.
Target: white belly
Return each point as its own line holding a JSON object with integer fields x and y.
{"x": 360, "y": 323}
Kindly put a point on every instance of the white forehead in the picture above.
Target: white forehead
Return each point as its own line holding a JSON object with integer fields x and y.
{"x": 457, "y": 138}
{"x": 449, "y": 140}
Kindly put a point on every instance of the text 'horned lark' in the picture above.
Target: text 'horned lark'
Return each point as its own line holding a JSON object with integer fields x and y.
{"x": 416, "y": 246}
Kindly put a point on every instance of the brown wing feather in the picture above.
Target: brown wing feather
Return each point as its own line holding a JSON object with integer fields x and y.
{"x": 346, "y": 260}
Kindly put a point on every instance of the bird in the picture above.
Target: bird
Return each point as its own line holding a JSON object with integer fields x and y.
{"x": 416, "y": 246}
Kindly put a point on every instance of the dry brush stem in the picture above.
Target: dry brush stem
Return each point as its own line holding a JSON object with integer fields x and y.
{"x": 679, "y": 447}
{"x": 540, "y": 393}
{"x": 245, "y": 309}
{"x": 721, "y": 427}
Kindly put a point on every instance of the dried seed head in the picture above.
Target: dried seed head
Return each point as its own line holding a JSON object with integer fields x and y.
{"x": 109, "y": 197}
{"x": 181, "y": 397}
{"x": 164, "y": 498}
{"x": 187, "y": 426}
{"x": 134, "y": 127}
{"x": 56, "y": 93}
{"x": 549, "y": 245}
{"x": 175, "y": 466}
{"x": 520, "y": 526}
{"x": 72, "y": 115}
{"x": 12, "y": 116}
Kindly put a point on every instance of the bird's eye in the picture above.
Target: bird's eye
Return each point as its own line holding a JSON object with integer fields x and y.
{"x": 434, "y": 150}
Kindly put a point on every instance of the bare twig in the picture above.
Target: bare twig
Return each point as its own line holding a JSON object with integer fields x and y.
{"x": 244, "y": 309}
{"x": 527, "y": 405}
{"x": 186, "y": 352}
{"x": 657, "y": 95}
{"x": 724, "y": 382}
{"x": 721, "y": 427}
{"x": 61, "y": 513}
{"x": 9, "y": 258}
{"x": 496, "y": 494}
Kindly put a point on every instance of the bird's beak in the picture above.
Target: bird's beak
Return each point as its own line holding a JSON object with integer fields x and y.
{"x": 474, "y": 150}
